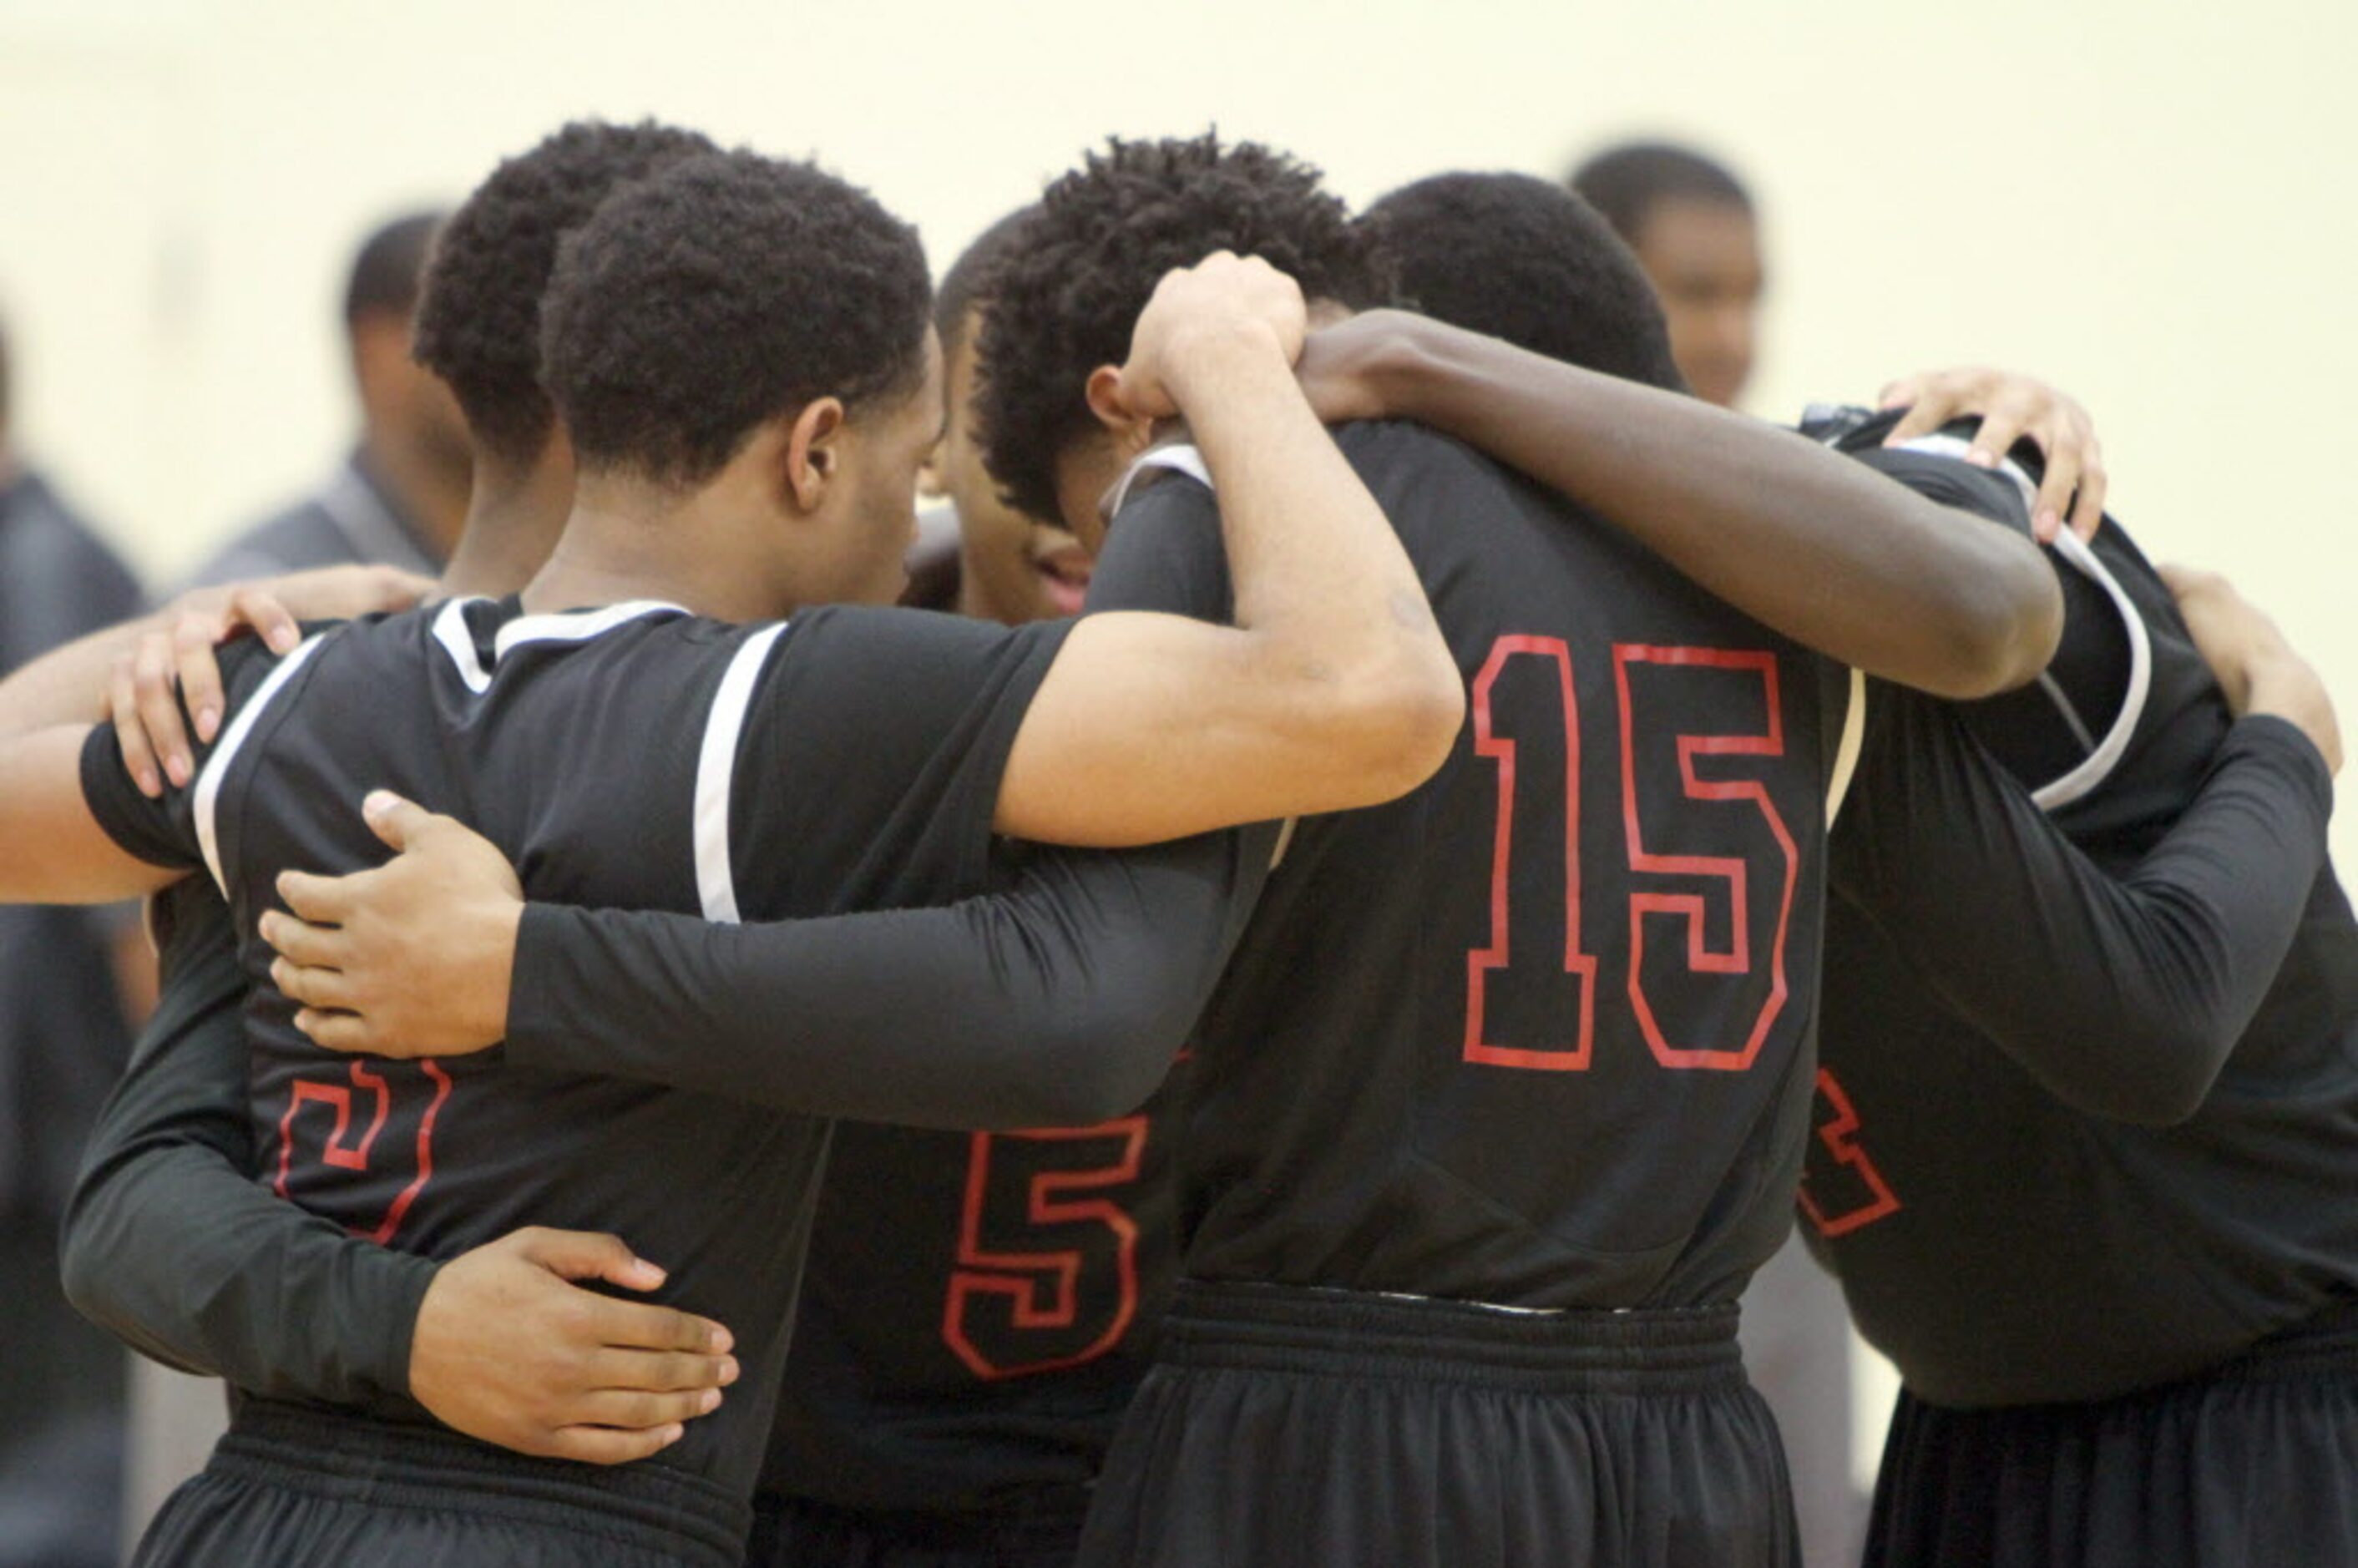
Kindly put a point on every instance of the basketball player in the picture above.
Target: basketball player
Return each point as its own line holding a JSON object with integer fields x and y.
{"x": 724, "y": 438}
{"x": 1337, "y": 1131}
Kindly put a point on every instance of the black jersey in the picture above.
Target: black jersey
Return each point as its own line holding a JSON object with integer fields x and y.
{"x": 978, "y": 1309}
{"x": 1534, "y": 1034}
{"x": 2078, "y": 1132}
{"x": 634, "y": 756}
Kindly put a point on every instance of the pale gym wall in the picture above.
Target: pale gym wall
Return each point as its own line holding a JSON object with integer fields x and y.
{"x": 2149, "y": 202}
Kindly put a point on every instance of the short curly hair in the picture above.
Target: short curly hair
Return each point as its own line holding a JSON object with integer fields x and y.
{"x": 1076, "y": 274}
{"x": 1526, "y": 260}
{"x": 972, "y": 277}
{"x": 1625, "y": 182}
{"x": 725, "y": 291}
{"x": 478, "y": 327}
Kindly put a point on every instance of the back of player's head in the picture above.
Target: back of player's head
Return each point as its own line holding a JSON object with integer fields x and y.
{"x": 391, "y": 264}
{"x": 1524, "y": 260}
{"x": 1080, "y": 271}
{"x": 479, "y": 325}
{"x": 973, "y": 276}
{"x": 1624, "y": 182}
{"x": 725, "y": 291}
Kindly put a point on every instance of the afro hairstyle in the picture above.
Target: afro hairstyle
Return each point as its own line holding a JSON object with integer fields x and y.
{"x": 727, "y": 290}
{"x": 1519, "y": 258}
{"x": 1081, "y": 269}
{"x": 479, "y": 325}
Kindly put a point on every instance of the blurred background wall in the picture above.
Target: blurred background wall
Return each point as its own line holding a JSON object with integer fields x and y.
{"x": 2150, "y": 203}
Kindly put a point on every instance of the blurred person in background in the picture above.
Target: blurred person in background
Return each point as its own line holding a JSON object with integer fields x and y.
{"x": 1695, "y": 232}
{"x": 400, "y": 499}
{"x": 1693, "y": 228}
{"x": 63, "y": 1036}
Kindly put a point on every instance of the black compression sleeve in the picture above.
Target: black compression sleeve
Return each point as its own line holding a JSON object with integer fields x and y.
{"x": 172, "y": 1245}
{"x": 1059, "y": 1002}
{"x": 2123, "y": 995}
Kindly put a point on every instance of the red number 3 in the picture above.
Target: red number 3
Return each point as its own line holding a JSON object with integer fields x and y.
{"x": 1651, "y": 833}
{"x": 1019, "y": 1307}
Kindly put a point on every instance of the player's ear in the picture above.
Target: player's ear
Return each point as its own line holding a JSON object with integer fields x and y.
{"x": 1130, "y": 433}
{"x": 814, "y": 451}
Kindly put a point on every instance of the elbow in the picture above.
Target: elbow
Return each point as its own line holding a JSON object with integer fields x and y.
{"x": 2165, "y": 1080}
{"x": 1106, "y": 1058}
{"x": 1398, "y": 727}
{"x": 1106, "y": 1071}
{"x": 1999, "y": 626}
{"x": 82, "y": 1268}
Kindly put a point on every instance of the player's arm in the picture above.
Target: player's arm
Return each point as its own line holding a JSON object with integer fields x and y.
{"x": 1334, "y": 688}
{"x": 157, "y": 675}
{"x": 1058, "y": 1001}
{"x": 2123, "y": 997}
{"x": 1801, "y": 539}
{"x": 172, "y": 1245}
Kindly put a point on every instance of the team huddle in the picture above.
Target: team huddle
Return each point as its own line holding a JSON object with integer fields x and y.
{"x": 668, "y": 1056}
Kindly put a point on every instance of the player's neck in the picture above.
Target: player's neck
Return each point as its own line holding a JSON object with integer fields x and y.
{"x": 514, "y": 519}
{"x": 627, "y": 539}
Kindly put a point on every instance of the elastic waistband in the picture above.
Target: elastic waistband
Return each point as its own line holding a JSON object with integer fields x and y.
{"x": 354, "y": 1459}
{"x": 1357, "y": 1334}
{"x": 1036, "y": 1519}
{"x": 2325, "y": 1341}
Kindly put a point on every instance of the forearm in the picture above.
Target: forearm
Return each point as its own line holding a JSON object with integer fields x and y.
{"x": 1060, "y": 1003}
{"x": 171, "y": 1245}
{"x": 2123, "y": 995}
{"x": 1800, "y": 538}
{"x": 1324, "y": 589}
{"x": 187, "y": 1260}
{"x": 68, "y": 684}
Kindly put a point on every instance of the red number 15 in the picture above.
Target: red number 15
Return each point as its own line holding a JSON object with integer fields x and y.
{"x": 1673, "y": 888}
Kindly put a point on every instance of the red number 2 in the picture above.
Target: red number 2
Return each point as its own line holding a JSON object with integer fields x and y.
{"x": 1651, "y": 828}
{"x": 1017, "y": 1308}
{"x": 338, "y": 1153}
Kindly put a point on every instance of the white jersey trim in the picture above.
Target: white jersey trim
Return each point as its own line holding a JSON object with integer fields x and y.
{"x": 1180, "y": 458}
{"x": 2107, "y": 755}
{"x": 450, "y": 631}
{"x": 576, "y": 625}
{"x": 1956, "y": 447}
{"x": 716, "y": 774}
{"x": 1853, "y": 742}
{"x": 206, "y": 802}
{"x": 457, "y": 640}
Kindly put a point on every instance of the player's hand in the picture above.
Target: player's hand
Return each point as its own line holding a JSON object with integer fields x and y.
{"x": 2013, "y": 408}
{"x": 409, "y": 960}
{"x": 1200, "y": 318}
{"x": 2257, "y": 669}
{"x": 1346, "y": 366}
{"x": 175, "y": 659}
{"x": 508, "y": 1349}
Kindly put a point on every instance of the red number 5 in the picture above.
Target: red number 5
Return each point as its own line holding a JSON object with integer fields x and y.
{"x": 1019, "y": 1308}
{"x": 1730, "y": 872}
